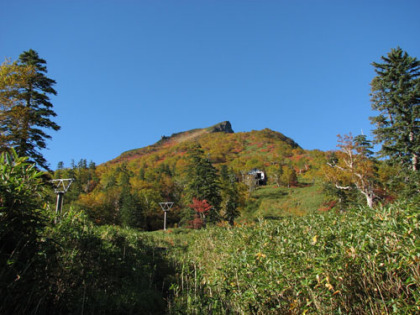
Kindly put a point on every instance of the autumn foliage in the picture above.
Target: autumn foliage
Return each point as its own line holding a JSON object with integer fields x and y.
{"x": 201, "y": 208}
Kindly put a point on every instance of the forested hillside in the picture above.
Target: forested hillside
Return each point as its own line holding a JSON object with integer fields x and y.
{"x": 140, "y": 179}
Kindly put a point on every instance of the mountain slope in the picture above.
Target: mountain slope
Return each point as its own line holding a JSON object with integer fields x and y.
{"x": 140, "y": 179}
{"x": 219, "y": 141}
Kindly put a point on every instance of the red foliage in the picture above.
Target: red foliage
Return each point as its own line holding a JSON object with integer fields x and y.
{"x": 200, "y": 206}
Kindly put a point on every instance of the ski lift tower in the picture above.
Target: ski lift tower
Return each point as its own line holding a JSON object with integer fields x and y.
{"x": 166, "y": 206}
{"x": 60, "y": 188}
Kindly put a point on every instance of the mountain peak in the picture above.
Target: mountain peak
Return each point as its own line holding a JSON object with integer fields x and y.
{"x": 225, "y": 127}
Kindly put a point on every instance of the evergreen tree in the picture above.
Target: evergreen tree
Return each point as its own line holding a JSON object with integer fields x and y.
{"x": 92, "y": 165}
{"x": 60, "y": 165}
{"x": 203, "y": 182}
{"x": 129, "y": 207}
{"x": 396, "y": 95}
{"x": 30, "y": 114}
{"x": 230, "y": 194}
{"x": 13, "y": 80}
{"x": 364, "y": 145}
{"x": 82, "y": 164}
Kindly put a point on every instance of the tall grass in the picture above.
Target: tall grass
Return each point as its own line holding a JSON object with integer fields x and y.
{"x": 364, "y": 261}
{"x": 272, "y": 202}
{"x": 88, "y": 269}
{"x": 106, "y": 270}
{"x": 360, "y": 262}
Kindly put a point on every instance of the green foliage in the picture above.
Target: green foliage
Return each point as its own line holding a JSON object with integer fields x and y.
{"x": 106, "y": 270}
{"x": 360, "y": 261}
{"x": 288, "y": 176}
{"x": 203, "y": 182}
{"x": 20, "y": 201}
{"x": 363, "y": 261}
{"x": 26, "y": 113}
{"x": 364, "y": 145}
{"x": 22, "y": 260}
{"x": 396, "y": 95}
{"x": 272, "y": 202}
{"x": 85, "y": 178}
{"x": 73, "y": 266}
{"x": 230, "y": 195}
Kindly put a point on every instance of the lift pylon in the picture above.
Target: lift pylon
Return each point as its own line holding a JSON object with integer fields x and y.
{"x": 166, "y": 206}
{"x": 61, "y": 186}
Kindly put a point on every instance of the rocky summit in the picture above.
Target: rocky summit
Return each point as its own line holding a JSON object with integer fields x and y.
{"x": 225, "y": 127}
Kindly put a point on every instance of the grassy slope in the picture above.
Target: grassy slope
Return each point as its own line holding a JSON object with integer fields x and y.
{"x": 272, "y": 202}
{"x": 363, "y": 261}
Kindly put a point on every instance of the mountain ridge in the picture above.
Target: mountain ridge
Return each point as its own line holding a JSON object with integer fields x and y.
{"x": 194, "y": 135}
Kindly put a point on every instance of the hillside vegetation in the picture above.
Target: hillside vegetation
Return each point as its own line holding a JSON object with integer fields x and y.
{"x": 362, "y": 261}
{"x": 289, "y": 251}
{"x": 259, "y": 225}
{"x": 160, "y": 172}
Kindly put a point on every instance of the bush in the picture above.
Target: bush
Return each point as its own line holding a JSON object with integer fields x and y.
{"x": 22, "y": 251}
{"x": 73, "y": 266}
{"x": 106, "y": 269}
{"x": 361, "y": 262}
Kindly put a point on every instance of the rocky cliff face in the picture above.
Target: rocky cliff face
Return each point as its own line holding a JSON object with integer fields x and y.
{"x": 225, "y": 127}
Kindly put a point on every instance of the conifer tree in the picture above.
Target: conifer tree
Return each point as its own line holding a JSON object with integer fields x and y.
{"x": 203, "y": 182}
{"x": 28, "y": 114}
{"x": 364, "y": 145}
{"x": 396, "y": 95}
{"x": 128, "y": 206}
{"x": 230, "y": 194}
{"x": 13, "y": 79}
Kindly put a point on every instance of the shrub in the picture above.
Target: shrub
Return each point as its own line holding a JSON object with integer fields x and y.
{"x": 363, "y": 261}
{"x": 23, "y": 253}
{"x": 106, "y": 269}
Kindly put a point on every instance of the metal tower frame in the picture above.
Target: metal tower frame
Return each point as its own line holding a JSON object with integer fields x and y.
{"x": 166, "y": 206}
{"x": 61, "y": 186}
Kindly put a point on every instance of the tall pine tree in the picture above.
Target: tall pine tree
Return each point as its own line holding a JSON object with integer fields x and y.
{"x": 203, "y": 182}
{"x": 396, "y": 95}
{"x": 230, "y": 195}
{"x": 13, "y": 79}
{"x": 28, "y": 115}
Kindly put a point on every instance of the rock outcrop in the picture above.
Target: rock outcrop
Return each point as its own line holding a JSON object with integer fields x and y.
{"x": 225, "y": 127}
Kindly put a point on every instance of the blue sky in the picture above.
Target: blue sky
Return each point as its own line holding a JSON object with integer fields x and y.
{"x": 131, "y": 71}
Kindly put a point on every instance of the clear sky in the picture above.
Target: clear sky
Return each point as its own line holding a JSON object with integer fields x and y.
{"x": 130, "y": 71}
